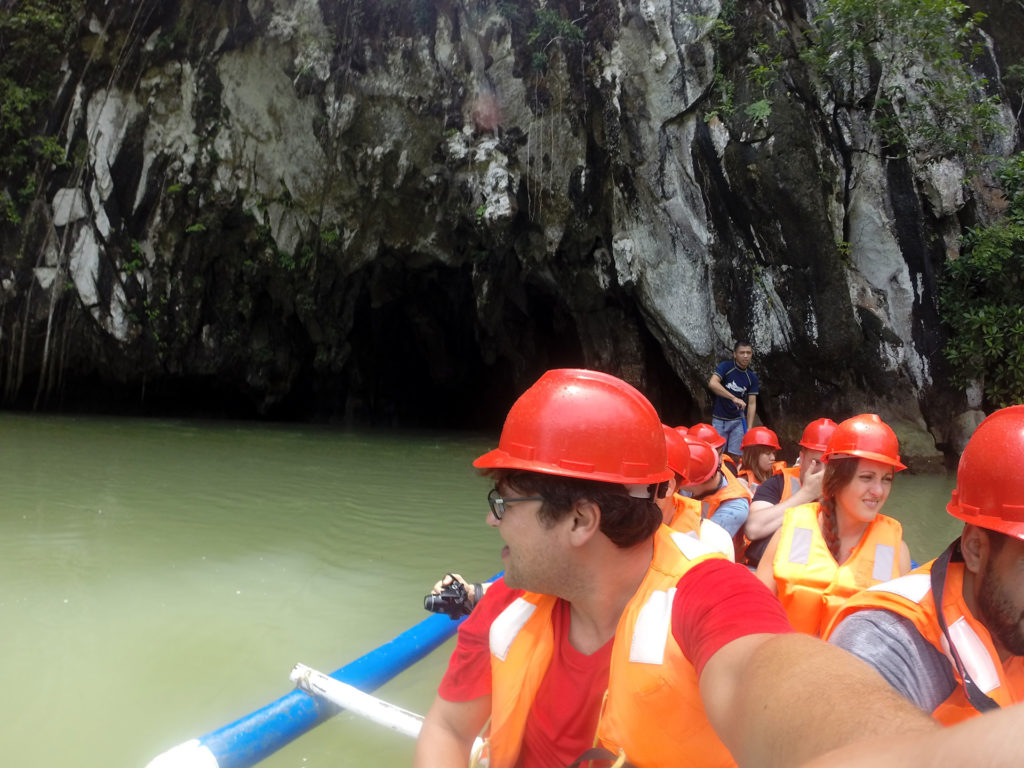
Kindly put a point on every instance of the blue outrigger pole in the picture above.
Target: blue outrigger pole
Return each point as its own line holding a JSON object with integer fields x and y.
{"x": 261, "y": 733}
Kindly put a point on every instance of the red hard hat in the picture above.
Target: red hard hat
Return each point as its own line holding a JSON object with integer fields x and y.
{"x": 677, "y": 452}
{"x": 760, "y": 436}
{"x": 989, "y": 489}
{"x": 867, "y": 437}
{"x": 703, "y": 461}
{"x": 586, "y": 424}
{"x": 816, "y": 434}
{"x": 708, "y": 434}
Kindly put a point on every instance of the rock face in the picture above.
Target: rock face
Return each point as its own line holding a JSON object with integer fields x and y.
{"x": 402, "y": 211}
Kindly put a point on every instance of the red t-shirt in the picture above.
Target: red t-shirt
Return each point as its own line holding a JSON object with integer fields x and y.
{"x": 716, "y": 602}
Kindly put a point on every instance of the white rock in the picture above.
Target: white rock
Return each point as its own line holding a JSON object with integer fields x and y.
{"x": 68, "y": 206}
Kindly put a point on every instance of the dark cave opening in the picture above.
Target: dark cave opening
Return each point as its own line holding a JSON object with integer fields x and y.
{"x": 423, "y": 353}
{"x": 421, "y": 356}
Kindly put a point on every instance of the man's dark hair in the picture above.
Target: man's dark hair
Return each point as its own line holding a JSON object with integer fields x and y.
{"x": 741, "y": 343}
{"x": 625, "y": 520}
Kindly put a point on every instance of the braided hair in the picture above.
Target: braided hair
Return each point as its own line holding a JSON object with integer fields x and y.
{"x": 839, "y": 471}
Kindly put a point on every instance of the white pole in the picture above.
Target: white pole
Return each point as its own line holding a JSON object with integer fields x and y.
{"x": 379, "y": 711}
{"x": 351, "y": 698}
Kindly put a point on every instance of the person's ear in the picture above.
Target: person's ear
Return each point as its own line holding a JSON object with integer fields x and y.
{"x": 586, "y": 521}
{"x": 974, "y": 545}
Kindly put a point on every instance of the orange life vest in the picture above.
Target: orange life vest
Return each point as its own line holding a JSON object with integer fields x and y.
{"x": 790, "y": 482}
{"x": 650, "y": 681}
{"x": 733, "y": 489}
{"x": 812, "y": 586}
{"x": 777, "y": 468}
{"x": 687, "y": 516}
{"x": 911, "y": 596}
{"x": 790, "y": 485}
{"x": 750, "y": 477}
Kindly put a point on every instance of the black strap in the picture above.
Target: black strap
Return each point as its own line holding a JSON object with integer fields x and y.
{"x": 979, "y": 700}
{"x": 601, "y": 755}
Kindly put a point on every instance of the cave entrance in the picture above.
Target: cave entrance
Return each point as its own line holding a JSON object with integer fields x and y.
{"x": 421, "y": 358}
{"x": 424, "y": 356}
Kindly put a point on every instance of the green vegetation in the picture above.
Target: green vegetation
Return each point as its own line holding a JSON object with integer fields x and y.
{"x": 33, "y": 37}
{"x": 908, "y": 63}
{"x": 759, "y": 112}
{"x": 760, "y": 69}
{"x": 720, "y": 30}
{"x": 549, "y": 27}
{"x": 982, "y": 300}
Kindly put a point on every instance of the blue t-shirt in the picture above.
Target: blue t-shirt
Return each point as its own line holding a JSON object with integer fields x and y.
{"x": 738, "y": 381}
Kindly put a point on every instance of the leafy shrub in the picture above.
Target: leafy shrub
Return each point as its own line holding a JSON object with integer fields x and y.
{"x": 982, "y": 300}
{"x": 33, "y": 37}
{"x": 869, "y": 51}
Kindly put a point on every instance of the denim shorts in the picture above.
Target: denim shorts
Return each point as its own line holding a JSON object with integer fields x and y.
{"x": 732, "y": 430}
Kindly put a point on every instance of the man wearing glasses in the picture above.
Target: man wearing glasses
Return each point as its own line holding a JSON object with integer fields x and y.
{"x": 613, "y": 638}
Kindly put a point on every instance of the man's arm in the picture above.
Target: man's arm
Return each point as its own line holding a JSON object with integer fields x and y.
{"x": 716, "y": 386}
{"x": 765, "y": 518}
{"x": 732, "y": 514}
{"x": 906, "y": 564}
{"x": 751, "y": 410}
{"x": 448, "y": 732}
{"x": 766, "y": 567}
{"x": 781, "y": 700}
{"x": 991, "y": 740}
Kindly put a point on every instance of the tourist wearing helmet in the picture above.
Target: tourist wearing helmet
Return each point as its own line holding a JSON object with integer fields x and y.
{"x": 610, "y": 629}
{"x": 709, "y": 435}
{"x": 969, "y": 657}
{"x": 790, "y": 487}
{"x": 829, "y": 550}
{"x": 758, "y": 461}
{"x": 735, "y": 387}
{"x": 723, "y": 498}
{"x": 691, "y": 460}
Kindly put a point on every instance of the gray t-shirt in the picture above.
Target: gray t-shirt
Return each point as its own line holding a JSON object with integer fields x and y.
{"x": 892, "y": 645}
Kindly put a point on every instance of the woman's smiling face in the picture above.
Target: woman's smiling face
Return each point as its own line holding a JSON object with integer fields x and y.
{"x": 863, "y": 497}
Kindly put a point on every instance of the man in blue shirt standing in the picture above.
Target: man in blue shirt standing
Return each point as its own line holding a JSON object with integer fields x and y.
{"x": 735, "y": 388}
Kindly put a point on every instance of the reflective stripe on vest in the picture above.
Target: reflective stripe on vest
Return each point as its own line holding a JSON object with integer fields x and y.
{"x": 885, "y": 556}
{"x": 508, "y": 624}
{"x": 974, "y": 655}
{"x": 652, "y": 629}
{"x": 800, "y": 549}
{"x": 913, "y": 586}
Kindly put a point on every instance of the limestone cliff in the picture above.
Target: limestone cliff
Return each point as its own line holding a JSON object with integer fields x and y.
{"x": 401, "y": 211}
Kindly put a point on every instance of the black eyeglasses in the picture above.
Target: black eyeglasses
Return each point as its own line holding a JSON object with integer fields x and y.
{"x": 497, "y": 503}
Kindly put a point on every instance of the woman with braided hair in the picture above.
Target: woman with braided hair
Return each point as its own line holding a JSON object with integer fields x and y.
{"x": 827, "y": 551}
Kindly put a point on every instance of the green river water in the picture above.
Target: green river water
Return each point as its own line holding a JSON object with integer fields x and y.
{"x": 159, "y": 579}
